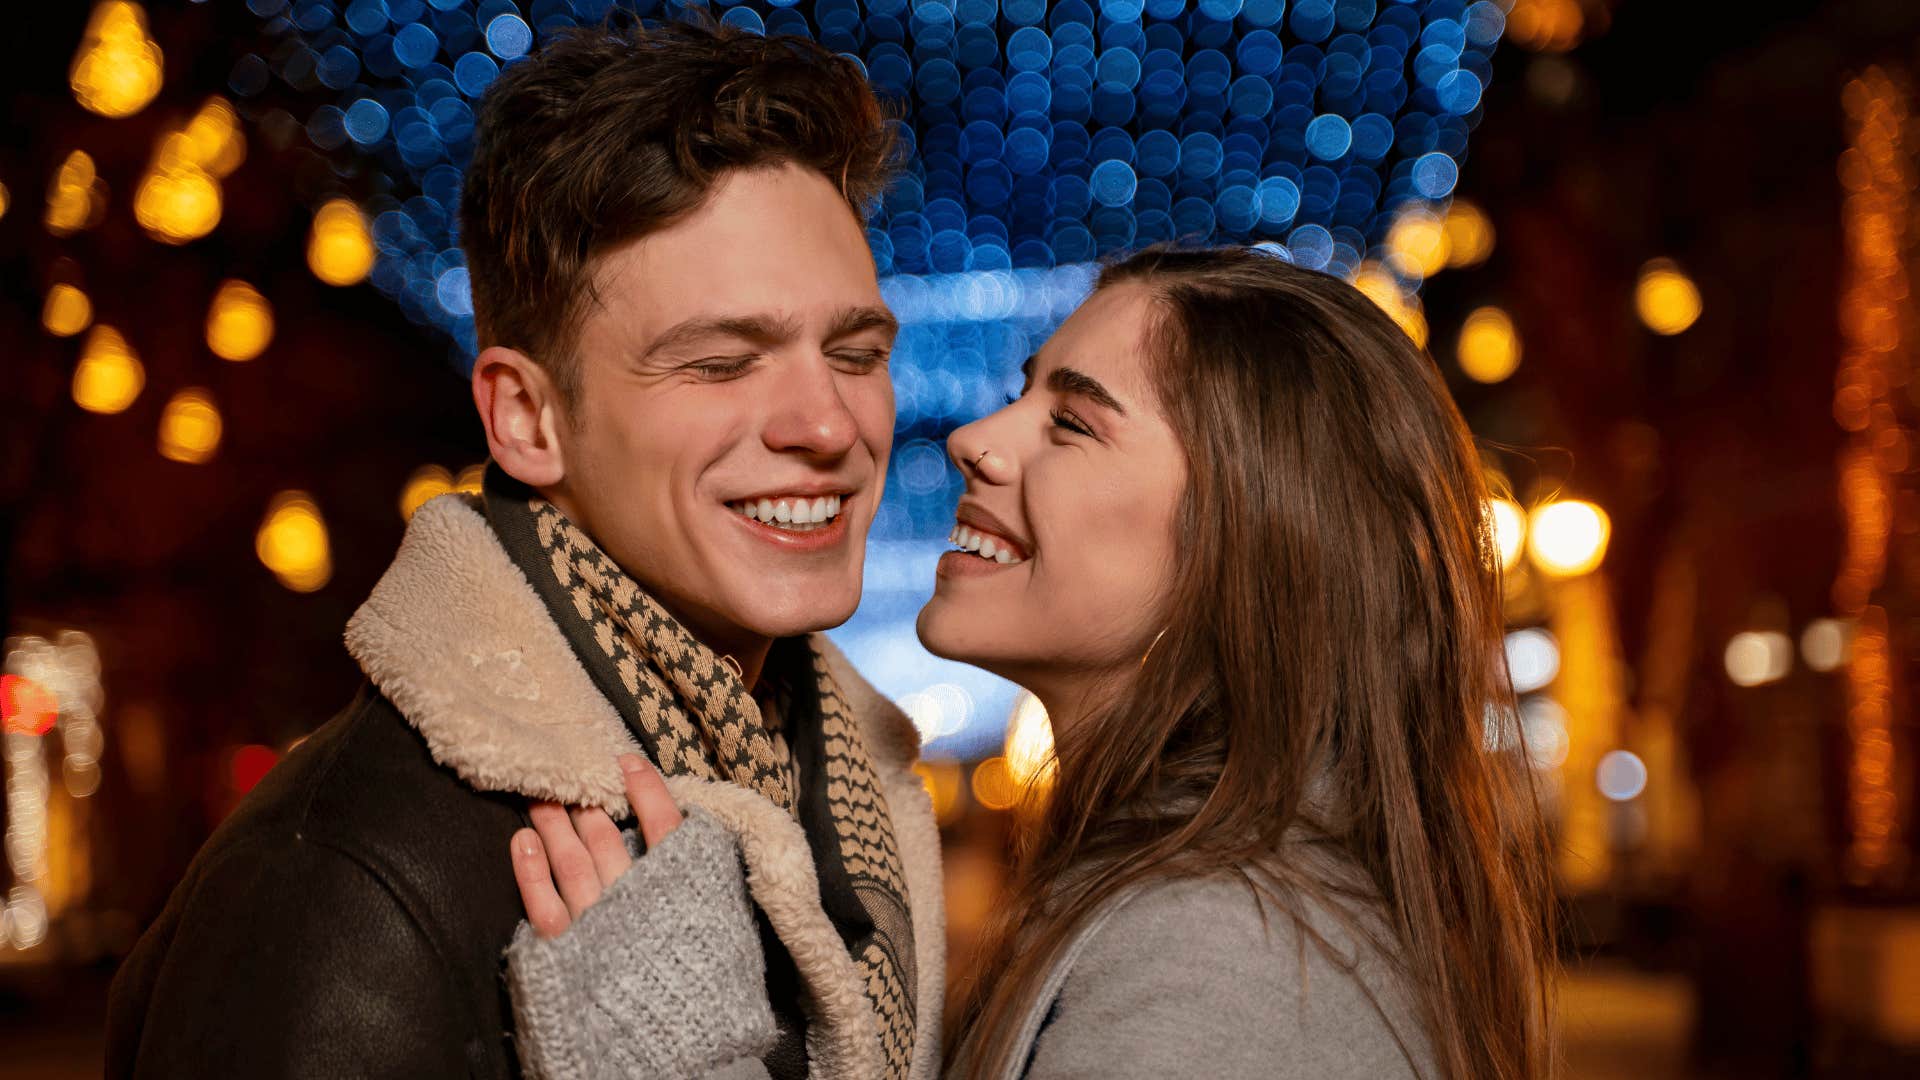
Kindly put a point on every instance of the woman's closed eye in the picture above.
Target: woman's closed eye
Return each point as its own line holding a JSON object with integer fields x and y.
{"x": 1064, "y": 418}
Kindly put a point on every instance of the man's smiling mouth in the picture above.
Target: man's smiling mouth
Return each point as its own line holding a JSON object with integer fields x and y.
{"x": 792, "y": 513}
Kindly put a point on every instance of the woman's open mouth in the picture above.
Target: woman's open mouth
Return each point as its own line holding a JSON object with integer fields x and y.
{"x": 986, "y": 545}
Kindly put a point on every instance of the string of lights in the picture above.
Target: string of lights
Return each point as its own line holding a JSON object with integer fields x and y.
{"x": 1876, "y": 173}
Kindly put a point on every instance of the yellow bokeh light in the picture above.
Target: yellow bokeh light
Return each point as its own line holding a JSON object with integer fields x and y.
{"x": 1469, "y": 234}
{"x": 67, "y": 311}
{"x": 1509, "y": 530}
{"x": 77, "y": 197}
{"x": 190, "y": 427}
{"x": 1489, "y": 348}
{"x": 179, "y": 198}
{"x": 1029, "y": 745}
{"x": 177, "y": 203}
{"x": 118, "y": 68}
{"x": 993, "y": 785}
{"x": 1667, "y": 299}
{"x": 470, "y": 479}
{"x": 340, "y": 249}
{"x": 1568, "y": 538}
{"x": 1413, "y": 319}
{"x": 6, "y": 200}
{"x": 1417, "y": 243}
{"x": 1379, "y": 285}
{"x": 109, "y": 376}
{"x": 427, "y": 482}
{"x": 211, "y": 141}
{"x": 292, "y": 542}
{"x": 942, "y": 781}
{"x": 239, "y": 321}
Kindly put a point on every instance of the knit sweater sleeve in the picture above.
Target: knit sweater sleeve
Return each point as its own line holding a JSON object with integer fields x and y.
{"x": 663, "y": 977}
{"x": 1188, "y": 980}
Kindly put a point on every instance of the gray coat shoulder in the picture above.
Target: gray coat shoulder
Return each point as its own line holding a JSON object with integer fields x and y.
{"x": 1186, "y": 978}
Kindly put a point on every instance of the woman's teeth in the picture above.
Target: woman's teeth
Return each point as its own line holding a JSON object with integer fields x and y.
{"x": 986, "y": 547}
{"x": 794, "y": 515}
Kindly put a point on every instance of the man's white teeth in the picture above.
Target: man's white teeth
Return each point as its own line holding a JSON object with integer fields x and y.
{"x": 984, "y": 546}
{"x": 798, "y": 515}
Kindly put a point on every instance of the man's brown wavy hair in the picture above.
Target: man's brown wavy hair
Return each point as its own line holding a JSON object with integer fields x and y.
{"x": 607, "y": 134}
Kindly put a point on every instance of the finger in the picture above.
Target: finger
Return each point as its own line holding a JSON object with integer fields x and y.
{"x": 573, "y": 870}
{"x": 652, "y": 804}
{"x": 604, "y": 845}
{"x": 545, "y": 910}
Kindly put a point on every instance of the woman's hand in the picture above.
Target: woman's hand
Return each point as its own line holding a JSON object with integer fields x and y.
{"x": 569, "y": 856}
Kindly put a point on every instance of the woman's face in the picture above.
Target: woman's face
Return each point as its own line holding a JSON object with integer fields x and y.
{"x": 1068, "y": 519}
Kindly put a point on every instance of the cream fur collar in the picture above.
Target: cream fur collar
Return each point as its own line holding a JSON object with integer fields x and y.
{"x": 456, "y": 637}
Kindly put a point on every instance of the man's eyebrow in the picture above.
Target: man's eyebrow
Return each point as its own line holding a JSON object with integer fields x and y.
{"x": 759, "y": 329}
{"x": 1066, "y": 380}
{"x": 861, "y": 319}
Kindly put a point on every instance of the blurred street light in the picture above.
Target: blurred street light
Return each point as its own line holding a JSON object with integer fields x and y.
{"x": 67, "y": 311}
{"x": 1666, "y": 298}
{"x": 1568, "y": 538}
{"x": 1758, "y": 657}
{"x": 340, "y": 249}
{"x": 239, "y": 321}
{"x": 292, "y": 542}
{"x": 190, "y": 427}
{"x": 1489, "y": 348}
{"x": 109, "y": 376}
{"x": 118, "y": 68}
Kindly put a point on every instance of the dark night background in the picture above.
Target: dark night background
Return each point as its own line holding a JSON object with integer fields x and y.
{"x": 1728, "y": 934}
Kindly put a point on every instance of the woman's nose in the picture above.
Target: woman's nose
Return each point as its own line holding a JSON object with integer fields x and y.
{"x": 970, "y": 447}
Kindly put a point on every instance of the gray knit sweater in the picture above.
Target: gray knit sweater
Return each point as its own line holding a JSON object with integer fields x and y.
{"x": 663, "y": 977}
{"x": 1184, "y": 979}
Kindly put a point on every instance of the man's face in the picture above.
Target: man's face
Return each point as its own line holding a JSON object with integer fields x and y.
{"x": 733, "y": 393}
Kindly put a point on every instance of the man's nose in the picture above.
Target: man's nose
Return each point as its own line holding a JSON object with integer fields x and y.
{"x": 811, "y": 415}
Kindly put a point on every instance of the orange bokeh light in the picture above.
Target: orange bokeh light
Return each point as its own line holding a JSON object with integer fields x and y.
{"x": 26, "y": 707}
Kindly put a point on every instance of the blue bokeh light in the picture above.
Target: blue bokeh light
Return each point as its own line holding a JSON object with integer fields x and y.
{"x": 509, "y": 36}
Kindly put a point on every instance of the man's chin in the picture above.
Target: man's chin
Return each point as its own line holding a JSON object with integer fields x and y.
{"x": 795, "y": 619}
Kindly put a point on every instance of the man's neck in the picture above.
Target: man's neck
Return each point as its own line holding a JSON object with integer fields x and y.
{"x": 746, "y": 648}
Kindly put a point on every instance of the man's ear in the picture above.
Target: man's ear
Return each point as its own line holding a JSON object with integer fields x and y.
{"x": 523, "y": 412}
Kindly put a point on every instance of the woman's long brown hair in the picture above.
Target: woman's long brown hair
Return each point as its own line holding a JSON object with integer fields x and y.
{"x": 1331, "y": 676}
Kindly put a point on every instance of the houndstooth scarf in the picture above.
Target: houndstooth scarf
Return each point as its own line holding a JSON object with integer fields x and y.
{"x": 696, "y": 718}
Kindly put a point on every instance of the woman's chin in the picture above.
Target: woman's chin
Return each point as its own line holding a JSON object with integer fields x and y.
{"x": 955, "y": 635}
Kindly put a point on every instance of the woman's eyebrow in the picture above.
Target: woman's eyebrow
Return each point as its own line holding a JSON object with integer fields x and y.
{"x": 1066, "y": 380}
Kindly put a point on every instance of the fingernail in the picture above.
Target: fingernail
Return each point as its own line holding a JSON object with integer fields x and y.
{"x": 526, "y": 845}
{"x": 632, "y": 763}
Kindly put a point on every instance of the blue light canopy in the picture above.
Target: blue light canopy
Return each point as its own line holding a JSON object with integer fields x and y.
{"x": 1044, "y": 136}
